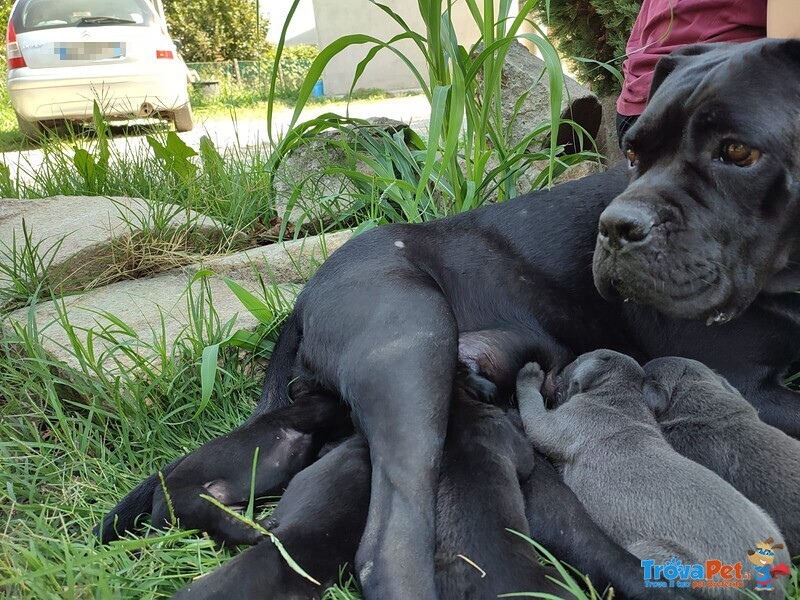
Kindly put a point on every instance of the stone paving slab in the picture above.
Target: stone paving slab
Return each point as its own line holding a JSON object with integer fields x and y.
{"x": 87, "y": 224}
{"x": 142, "y": 303}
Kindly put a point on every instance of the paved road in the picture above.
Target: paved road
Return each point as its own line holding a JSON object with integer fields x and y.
{"x": 224, "y": 132}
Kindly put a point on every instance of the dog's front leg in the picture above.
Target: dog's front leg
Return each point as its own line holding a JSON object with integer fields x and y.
{"x": 542, "y": 427}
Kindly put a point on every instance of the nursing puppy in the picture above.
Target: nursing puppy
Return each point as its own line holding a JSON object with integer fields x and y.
{"x": 704, "y": 418}
{"x": 656, "y": 503}
{"x": 479, "y": 499}
{"x": 319, "y": 520}
{"x": 282, "y": 443}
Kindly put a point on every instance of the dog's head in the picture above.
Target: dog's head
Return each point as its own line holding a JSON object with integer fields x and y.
{"x": 710, "y": 218}
{"x": 593, "y": 371}
{"x": 679, "y": 389}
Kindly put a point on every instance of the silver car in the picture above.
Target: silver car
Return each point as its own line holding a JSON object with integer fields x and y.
{"x": 63, "y": 55}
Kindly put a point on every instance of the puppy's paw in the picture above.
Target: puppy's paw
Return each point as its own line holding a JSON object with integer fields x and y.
{"x": 531, "y": 376}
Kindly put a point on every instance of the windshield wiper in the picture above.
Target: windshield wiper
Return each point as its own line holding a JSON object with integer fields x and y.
{"x": 105, "y": 21}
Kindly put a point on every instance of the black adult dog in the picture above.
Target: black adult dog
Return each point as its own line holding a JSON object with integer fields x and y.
{"x": 707, "y": 231}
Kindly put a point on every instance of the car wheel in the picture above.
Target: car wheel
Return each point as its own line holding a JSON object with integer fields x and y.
{"x": 31, "y": 130}
{"x": 183, "y": 118}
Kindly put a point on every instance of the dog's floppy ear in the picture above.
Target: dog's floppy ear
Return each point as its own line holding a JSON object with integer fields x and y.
{"x": 655, "y": 396}
{"x": 790, "y": 48}
{"x": 667, "y": 65}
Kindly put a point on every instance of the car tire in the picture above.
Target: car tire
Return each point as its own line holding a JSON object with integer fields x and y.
{"x": 183, "y": 118}
{"x": 31, "y": 130}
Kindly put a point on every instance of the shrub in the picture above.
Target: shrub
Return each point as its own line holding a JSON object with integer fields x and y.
{"x": 217, "y": 29}
{"x": 5, "y": 12}
{"x": 594, "y": 31}
{"x": 256, "y": 76}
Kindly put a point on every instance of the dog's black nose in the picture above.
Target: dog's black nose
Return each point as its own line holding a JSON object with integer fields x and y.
{"x": 622, "y": 225}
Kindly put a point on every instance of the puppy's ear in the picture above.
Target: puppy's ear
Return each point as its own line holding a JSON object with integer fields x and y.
{"x": 655, "y": 396}
{"x": 585, "y": 376}
{"x": 667, "y": 65}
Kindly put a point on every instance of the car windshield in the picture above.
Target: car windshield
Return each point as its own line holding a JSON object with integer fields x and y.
{"x": 34, "y": 15}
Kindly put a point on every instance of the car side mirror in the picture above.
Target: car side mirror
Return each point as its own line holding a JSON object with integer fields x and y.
{"x": 178, "y": 44}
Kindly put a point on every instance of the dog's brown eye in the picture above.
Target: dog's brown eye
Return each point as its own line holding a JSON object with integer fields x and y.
{"x": 631, "y": 156}
{"x": 739, "y": 154}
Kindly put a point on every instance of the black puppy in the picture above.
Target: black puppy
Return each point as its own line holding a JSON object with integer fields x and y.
{"x": 709, "y": 229}
{"x": 322, "y": 514}
{"x": 283, "y": 443}
{"x": 319, "y": 520}
{"x": 560, "y": 523}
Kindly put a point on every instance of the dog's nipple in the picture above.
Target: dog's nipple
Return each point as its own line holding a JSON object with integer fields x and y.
{"x": 399, "y": 244}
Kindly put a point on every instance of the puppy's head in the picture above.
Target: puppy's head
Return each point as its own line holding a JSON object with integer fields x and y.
{"x": 680, "y": 388}
{"x": 601, "y": 371}
{"x": 710, "y": 217}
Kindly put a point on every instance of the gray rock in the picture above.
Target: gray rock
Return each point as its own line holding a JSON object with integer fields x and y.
{"x": 527, "y": 178}
{"x": 159, "y": 303}
{"x": 304, "y": 181}
{"x": 524, "y": 73}
{"x": 607, "y": 143}
{"x": 87, "y": 225}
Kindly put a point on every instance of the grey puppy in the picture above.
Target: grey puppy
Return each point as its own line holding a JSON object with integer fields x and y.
{"x": 704, "y": 418}
{"x": 654, "y": 502}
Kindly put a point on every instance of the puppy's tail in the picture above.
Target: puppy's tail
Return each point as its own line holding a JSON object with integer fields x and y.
{"x": 139, "y": 502}
{"x": 275, "y": 392}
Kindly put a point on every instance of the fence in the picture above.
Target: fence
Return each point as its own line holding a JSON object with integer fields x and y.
{"x": 244, "y": 80}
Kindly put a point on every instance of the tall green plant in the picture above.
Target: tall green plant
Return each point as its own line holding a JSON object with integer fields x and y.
{"x": 468, "y": 149}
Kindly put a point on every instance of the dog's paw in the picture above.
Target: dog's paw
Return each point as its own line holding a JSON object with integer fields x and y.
{"x": 269, "y": 523}
{"x": 531, "y": 376}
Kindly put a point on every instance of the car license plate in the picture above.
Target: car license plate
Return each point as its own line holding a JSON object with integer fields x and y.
{"x": 89, "y": 50}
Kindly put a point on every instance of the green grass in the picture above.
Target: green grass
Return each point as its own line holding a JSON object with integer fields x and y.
{"x": 230, "y": 185}
{"x": 75, "y": 439}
